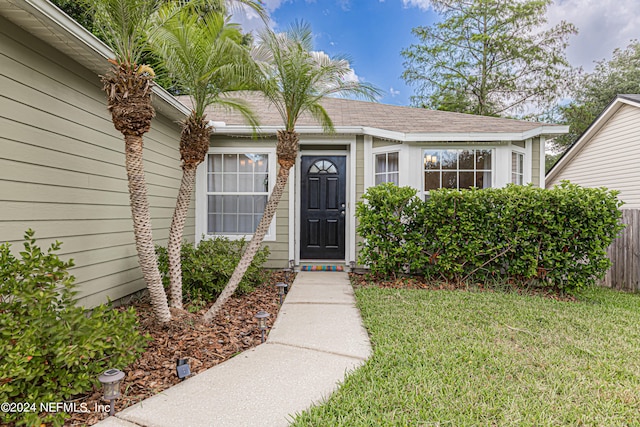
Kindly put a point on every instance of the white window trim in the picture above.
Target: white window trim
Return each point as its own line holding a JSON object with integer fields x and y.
{"x": 202, "y": 199}
{"x": 385, "y": 150}
{"x": 420, "y": 159}
{"x": 405, "y": 176}
{"x": 520, "y": 152}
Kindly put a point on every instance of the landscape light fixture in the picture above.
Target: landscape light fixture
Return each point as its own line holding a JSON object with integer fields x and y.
{"x": 182, "y": 368}
{"x": 352, "y": 266}
{"x": 282, "y": 289}
{"x": 262, "y": 322}
{"x": 111, "y": 380}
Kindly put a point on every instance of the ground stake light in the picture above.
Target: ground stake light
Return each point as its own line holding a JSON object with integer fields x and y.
{"x": 182, "y": 368}
{"x": 282, "y": 289}
{"x": 111, "y": 380}
{"x": 262, "y": 322}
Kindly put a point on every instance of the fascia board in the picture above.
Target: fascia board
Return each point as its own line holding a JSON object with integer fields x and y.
{"x": 96, "y": 53}
{"x": 401, "y": 136}
{"x": 592, "y": 130}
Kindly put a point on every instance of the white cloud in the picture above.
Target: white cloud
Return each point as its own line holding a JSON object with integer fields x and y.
{"x": 344, "y": 4}
{"x": 603, "y": 25}
{"x": 271, "y": 5}
{"x": 421, "y": 4}
{"x": 248, "y": 19}
{"x": 393, "y": 92}
{"x": 351, "y": 75}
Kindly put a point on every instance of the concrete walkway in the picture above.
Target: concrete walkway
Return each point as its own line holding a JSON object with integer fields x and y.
{"x": 317, "y": 338}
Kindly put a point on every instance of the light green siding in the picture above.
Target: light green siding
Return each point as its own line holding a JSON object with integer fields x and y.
{"x": 535, "y": 165}
{"x": 62, "y": 167}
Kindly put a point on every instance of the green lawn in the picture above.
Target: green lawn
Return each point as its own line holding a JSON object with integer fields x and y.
{"x": 455, "y": 358}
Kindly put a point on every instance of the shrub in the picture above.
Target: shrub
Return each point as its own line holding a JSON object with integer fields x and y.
{"x": 207, "y": 268}
{"x": 51, "y": 349}
{"x": 388, "y": 222}
{"x": 523, "y": 234}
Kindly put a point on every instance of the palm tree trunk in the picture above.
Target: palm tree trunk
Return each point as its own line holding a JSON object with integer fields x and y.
{"x": 254, "y": 244}
{"x": 174, "y": 247}
{"x": 142, "y": 226}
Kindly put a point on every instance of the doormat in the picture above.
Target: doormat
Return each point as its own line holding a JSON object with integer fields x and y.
{"x": 322, "y": 268}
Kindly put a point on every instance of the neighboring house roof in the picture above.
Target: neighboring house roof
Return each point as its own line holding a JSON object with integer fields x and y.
{"x": 45, "y": 21}
{"x": 384, "y": 121}
{"x": 592, "y": 130}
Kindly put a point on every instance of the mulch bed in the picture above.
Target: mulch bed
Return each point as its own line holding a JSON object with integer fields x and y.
{"x": 233, "y": 331}
{"x": 420, "y": 282}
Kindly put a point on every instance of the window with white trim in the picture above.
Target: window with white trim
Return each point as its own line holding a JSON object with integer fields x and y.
{"x": 386, "y": 168}
{"x": 517, "y": 168}
{"x": 457, "y": 168}
{"x": 237, "y": 192}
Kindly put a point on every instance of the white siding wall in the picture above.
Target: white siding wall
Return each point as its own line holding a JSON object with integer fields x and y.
{"x": 611, "y": 158}
{"x": 62, "y": 167}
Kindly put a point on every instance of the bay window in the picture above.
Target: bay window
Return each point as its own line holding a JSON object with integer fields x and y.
{"x": 457, "y": 168}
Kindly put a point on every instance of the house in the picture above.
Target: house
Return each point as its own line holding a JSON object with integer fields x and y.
{"x": 372, "y": 143}
{"x": 62, "y": 163}
{"x": 606, "y": 154}
{"x": 61, "y": 160}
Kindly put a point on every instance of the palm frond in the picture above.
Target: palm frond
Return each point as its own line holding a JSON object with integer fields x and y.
{"x": 296, "y": 78}
{"x": 204, "y": 56}
{"x": 124, "y": 24}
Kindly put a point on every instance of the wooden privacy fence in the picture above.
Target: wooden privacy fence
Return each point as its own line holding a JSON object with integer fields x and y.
{"x": 624, "y": 254}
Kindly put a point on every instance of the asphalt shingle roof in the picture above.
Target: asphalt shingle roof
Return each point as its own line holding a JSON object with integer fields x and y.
{"x": 347, "y": 112}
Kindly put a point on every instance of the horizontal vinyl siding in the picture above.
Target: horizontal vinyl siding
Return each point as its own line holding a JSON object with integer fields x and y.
{"x": 535, "y": 163}
{"x": 62, "y": 168}
{"x": 611, "y": 158}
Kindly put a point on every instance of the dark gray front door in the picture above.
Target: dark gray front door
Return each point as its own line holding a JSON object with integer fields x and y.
{"x": 322, "y": 207}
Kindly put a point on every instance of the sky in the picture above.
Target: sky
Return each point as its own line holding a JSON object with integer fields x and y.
{"x": 372, "y": 33}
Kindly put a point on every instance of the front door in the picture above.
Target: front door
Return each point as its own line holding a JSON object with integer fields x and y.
{"x": 322, "y": 207}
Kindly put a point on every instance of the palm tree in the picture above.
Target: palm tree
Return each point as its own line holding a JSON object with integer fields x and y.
{"x": 128, "y": 83}
{"x": 205, "y": 58}
{"x": 124, "y": 26}
{"x": 295, "y": 81}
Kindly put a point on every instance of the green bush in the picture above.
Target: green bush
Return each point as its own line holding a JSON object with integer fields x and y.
{"x": 50, "y": 349}
{"x": 521, "y": 234}
{"x": 388, "y": 222}
{"x": 207, "y": 268}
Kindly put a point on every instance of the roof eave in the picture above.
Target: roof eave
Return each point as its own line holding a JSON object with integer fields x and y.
{"x": 549, "y": 131}
{"x": 593, "y": 129}
{"x": 84, "y": 47}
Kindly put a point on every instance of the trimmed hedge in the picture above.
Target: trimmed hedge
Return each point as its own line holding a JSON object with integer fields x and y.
{"x": 207, "y": 267}
{"x": 521, "y": 234}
